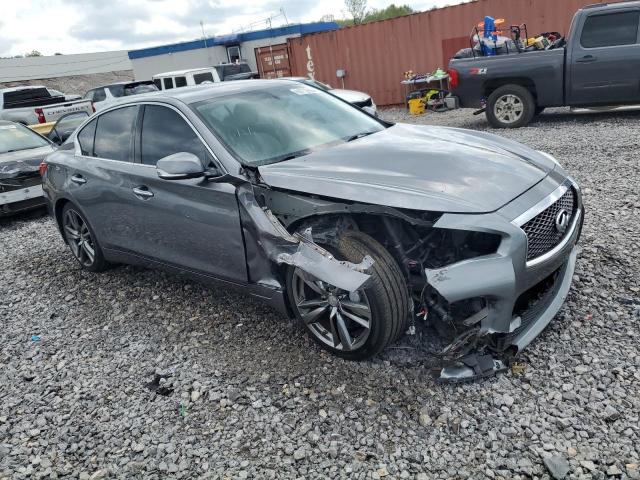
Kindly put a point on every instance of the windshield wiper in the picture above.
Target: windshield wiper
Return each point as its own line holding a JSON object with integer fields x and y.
{"x": 358, "y": 135}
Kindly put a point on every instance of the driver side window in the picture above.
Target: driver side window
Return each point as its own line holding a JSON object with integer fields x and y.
{"x": 165, "y": 132}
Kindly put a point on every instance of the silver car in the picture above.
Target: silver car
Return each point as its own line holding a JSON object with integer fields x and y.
{"x": 355, "y": 226}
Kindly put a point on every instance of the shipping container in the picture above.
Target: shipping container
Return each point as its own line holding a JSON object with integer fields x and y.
{"x": 375, "y": 56}
{"x": 273, "y": 61}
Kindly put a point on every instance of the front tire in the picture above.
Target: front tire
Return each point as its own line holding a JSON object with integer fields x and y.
{"x": 353, "y": 325}
{"x": 510, "y": 106}
{"x": 82, "y": 240}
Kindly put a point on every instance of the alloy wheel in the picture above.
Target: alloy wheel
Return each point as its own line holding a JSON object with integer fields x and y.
{"x": 340, "y": 319}
{"x": 79, "y": 238}
{"x": 508, "y": 109}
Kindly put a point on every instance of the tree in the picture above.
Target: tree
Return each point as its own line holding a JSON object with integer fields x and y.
{"x": 357, "y": 9}
{"x": 33, "y": 53}
{"x": 392, "y": 11}
{"x": 373, "y": 15}
{"x": 57, "y": 53}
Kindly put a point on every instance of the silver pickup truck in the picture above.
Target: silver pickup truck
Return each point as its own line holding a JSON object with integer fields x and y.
{"x": 35, "y": 104}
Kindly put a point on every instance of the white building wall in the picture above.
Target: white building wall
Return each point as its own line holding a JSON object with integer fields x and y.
{"x": 146, "y": 67}
{"x": 30, "y": 68}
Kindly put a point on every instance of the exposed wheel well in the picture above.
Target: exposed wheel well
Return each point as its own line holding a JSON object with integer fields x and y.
{"x": 386, "y": 230}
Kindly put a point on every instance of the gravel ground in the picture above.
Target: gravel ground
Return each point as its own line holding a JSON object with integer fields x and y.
{"x": 138, "y": 374}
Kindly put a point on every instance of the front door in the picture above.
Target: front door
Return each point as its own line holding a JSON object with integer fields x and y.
{"x": 604, "y": 63}
{"x": 192, "y": 224}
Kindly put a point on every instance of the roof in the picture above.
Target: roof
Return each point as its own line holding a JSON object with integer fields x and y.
{"x": 182, "y": 72}
{"x": 201, "y": 92}
{"x": 234, "y": 38}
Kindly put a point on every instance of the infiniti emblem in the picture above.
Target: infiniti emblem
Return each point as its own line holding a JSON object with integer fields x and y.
{"x": 562, "y": 221}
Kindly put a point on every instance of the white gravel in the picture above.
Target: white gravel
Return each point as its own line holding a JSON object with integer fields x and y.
{"x": 240, "y": 392}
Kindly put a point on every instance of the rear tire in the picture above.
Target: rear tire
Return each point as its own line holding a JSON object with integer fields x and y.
{"x": 510, "y": 106}
{"x": 383, "y": 303}
{"x": 82, "y": 240}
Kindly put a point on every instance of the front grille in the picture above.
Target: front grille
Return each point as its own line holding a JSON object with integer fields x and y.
{"x": 542, "y": 234}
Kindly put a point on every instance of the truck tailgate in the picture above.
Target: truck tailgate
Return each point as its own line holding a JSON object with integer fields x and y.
{"x": 54, "y": 112}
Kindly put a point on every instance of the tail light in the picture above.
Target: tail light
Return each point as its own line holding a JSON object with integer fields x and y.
{"x": 93, "y": 107}
{"x": 454, "y": 78}
{"x": 40, "y": 114}
{"x": 42, "y": 169}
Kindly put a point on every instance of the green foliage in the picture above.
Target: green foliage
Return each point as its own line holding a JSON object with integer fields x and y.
{"x": 33, "y": 53}
{"x": 392, "y": 11}
{"x": 375, "y": 14}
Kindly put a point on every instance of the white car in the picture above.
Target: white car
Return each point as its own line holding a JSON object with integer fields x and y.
{"x": 105, "y": 95}
{"x": 359, "y": 99}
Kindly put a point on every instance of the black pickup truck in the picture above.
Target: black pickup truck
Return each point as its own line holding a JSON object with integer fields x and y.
{"x": 597, "y": 66}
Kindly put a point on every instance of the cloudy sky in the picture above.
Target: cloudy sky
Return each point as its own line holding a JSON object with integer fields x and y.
{"x": 78, "y": 26}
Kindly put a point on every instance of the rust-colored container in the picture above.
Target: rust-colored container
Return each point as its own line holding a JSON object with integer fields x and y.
{"x": 376, "y": 55}
{"x": 273, "y": 61}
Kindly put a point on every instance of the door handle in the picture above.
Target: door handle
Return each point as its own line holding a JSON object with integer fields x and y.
{"x": 79, "y": 179}
{"x": 586, "y": 59}
{"x": 142, "y": 192}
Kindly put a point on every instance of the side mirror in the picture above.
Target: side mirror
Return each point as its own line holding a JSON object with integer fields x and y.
{"x": 180, "y": 166}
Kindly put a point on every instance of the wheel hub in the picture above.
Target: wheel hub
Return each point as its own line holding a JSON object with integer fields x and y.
{"x": 338, "y": 318}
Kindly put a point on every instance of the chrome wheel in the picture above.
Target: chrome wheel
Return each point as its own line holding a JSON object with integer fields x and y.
{"x": 340, "y": 319}
{"x": 79, "y": 238}
{"x": 508, "y": 108}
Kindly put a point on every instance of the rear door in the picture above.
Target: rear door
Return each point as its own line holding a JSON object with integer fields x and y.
{"x": 192, "y": 224}
{"x": 99, "y": 178}
{"x": 604, "y": 63}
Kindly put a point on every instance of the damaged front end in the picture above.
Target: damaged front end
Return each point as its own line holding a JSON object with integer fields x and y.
{"x": 20, "y": 187}
{"x": 470, "y": 276}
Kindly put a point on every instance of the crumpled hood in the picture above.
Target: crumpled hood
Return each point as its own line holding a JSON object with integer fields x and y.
{"x": 417, "y": 167}
{"x": 22, "y": 162}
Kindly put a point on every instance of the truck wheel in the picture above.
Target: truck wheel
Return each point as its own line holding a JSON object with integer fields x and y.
{"x": 353, "y": 325}
{"x": 510, "y": 106}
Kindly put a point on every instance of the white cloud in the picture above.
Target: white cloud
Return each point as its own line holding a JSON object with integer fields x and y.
{"x": 77, "y": 26}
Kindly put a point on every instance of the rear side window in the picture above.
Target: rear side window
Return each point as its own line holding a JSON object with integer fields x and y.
{"x": 181, "y": 81}
{"x": 168, "y": 83}
{"x": 610, "y": 30}
{"x": 198, "y": 78}
{"x": 114, "y": 134}
{"x": 85, "y": 138}
{"x": 165, "y": 132}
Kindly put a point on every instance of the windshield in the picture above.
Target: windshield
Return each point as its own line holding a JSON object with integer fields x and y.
{"x": 17, "y": 137}
{"x": 278, "y": 123}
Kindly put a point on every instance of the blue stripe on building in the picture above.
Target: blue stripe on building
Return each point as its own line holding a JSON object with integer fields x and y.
{"x": 234, "y": 39}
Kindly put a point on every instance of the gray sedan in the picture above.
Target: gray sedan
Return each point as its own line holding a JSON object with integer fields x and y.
{"x": 357, "y": 227}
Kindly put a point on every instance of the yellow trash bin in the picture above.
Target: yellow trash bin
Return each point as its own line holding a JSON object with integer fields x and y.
{"x": 416, "y": 106}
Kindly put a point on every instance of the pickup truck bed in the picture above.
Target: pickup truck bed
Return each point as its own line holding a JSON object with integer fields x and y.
{"x": 32, "y": 105}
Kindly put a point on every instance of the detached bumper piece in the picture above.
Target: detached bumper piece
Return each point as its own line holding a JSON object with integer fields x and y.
{"x": 472, "y": 367}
